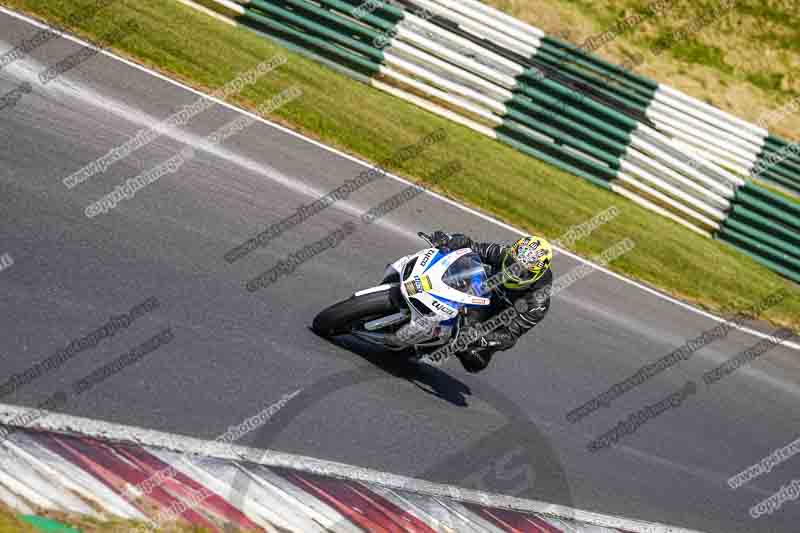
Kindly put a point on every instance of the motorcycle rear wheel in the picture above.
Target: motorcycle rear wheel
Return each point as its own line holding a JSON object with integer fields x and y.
{"x": 340, "y": 318}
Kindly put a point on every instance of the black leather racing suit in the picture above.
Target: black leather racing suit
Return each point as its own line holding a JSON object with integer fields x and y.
{"x": 531, "y": 303}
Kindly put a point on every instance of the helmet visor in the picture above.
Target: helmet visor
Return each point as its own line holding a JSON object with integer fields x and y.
{"x": 516, "y": 273}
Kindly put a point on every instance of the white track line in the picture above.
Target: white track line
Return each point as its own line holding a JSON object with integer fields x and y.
{"x": 57, "y": 422}
{"x": 349, "y": 157}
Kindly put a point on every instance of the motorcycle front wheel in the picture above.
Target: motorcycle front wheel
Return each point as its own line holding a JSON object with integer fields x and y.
{"x": 342, "y": 317}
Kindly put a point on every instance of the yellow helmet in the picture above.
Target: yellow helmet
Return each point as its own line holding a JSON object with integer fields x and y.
{"x": 526, "y": 261}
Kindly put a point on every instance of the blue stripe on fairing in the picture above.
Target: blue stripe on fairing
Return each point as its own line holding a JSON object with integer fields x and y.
{"x": 436, "y": 258}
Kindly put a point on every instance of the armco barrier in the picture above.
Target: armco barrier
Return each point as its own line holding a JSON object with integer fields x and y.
{"x": 468, "y": 62}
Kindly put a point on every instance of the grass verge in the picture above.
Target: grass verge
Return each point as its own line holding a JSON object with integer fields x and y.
{"x": 10, "y": 522}
{"x": 206, "y": 53}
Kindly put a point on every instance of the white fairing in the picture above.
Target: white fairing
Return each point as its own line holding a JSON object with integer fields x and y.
{"x": 425, "y": 285}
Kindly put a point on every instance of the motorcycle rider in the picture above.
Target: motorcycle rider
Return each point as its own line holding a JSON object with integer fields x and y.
{"x": 522, "y": 280}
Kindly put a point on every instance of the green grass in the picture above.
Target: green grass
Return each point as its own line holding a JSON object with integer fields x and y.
{"x": 10, "y": 523}
{"x": 692, "y": 52}
{"x": 520, "y": 190}
{"x": 770, "y": 81}
{"x": 747, "y": 58}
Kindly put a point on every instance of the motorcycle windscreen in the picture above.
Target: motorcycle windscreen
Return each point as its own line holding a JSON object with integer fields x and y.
{"x": 467, "y": 274}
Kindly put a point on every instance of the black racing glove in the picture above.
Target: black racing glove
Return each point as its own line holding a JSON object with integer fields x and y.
{"x": 439, "y": 239}
{"x": 450, "y": 241}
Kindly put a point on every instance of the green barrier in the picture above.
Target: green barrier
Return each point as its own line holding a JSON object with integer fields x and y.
{"x": 367, "y": 18}
{"x": 338, "y": 64}
{"x": 778, "y": 179}
{"x": 572, "y": 50}
{"x": 789, "y": 156}
{"x": 556, "y": 162}
{"x": 329, "y": 18}
{"x": 790, "y": 208}
{"x": 617, "y": 96}
{"x": 383, "y": 9}
{"x": 790, "y": 254}
{"x": 514, "y": 117}
{"x": 755, "y": 250}
{"x": 789, "y": 159}
{"x": 516, "y": 135}
{"x": 767, "y": 225}
{"x": 781, "y": 163}
{"x": 560, "y": 54}
{"x": 579, "y": 160}
{"x": 783, "y": 170}
{"x": 788, "y": 168}
{"x": 534, "y": 76}
{"x": 776, "y": 143}
{"x": 787, "y": 172}
{"x": 774, "y": 140}
{"x": 579, "y": 107}
{"x": 556, "y": 106}
{"x": 586, "y": 70}
{"x": 571, "y": 65}
{"x": 539, "y": 113}
{"x": 353, "y": 44}
{"x": 767, "y": 210}
{"x": 321, "y": 46}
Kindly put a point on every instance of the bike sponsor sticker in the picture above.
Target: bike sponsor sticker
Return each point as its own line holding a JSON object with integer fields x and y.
{"x": 426, "y": 283}
{"x": 427, "y": 257}
{"x": 443, "y": 308}
{"x": 418, "y": 285}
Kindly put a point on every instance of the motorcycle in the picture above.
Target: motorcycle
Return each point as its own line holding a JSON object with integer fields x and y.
{"x": 422, "y": 301}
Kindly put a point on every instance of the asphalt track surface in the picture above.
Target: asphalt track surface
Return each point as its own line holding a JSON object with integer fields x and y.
{"x": 235, "y": 352}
